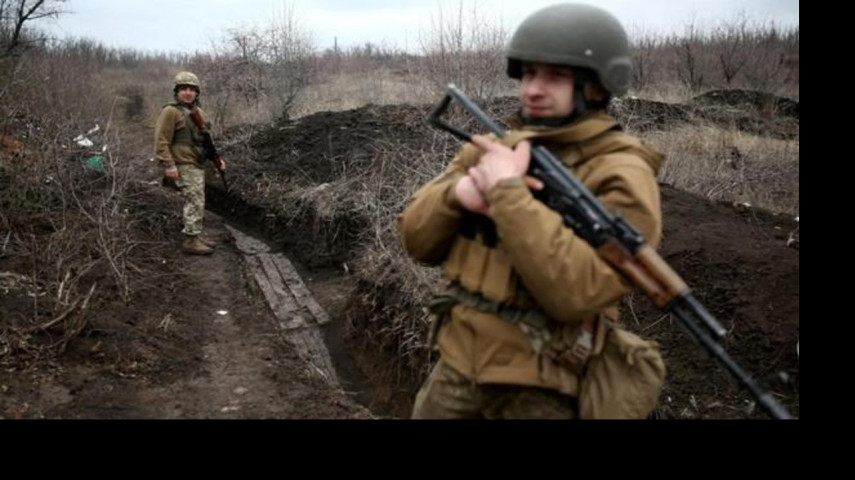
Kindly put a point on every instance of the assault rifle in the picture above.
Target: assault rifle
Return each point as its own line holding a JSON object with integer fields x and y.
{"x": 209, "y": 151}
{"x": 619, "y": 244}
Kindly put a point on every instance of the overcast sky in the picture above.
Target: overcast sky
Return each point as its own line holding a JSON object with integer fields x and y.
{"x": 170, "y": 25}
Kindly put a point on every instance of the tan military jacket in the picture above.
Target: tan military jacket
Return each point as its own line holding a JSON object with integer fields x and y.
{"x": 173, "y": 140}
{"x": 536, "y": 257}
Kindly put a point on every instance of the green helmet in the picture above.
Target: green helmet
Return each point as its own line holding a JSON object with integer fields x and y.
{"x": 574, "y": 35}
{"x": 186, "y": 78}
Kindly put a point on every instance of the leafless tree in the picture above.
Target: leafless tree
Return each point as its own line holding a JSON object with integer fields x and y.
{"x": 731, "y": 40}
{"x": 16, "y": 15}
{"x": 768, "y": 48}
{"x": 644, "y": 48}
{"x": 689, "y": 50}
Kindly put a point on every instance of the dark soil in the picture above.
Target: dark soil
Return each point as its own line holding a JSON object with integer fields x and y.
{"x": 748, "y": 111}
{"x": 740, "y": 268}
{"x": 198, "y": 341}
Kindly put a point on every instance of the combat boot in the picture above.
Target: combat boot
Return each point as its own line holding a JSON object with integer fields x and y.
{"x": 208, "y": 241}
{"x": 193, "y": 245}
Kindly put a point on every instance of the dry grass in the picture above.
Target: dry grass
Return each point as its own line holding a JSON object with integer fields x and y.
{"x": 665, "y": 92}
{"x": 385, "y": 310}
{"x": 388, "y": 308}
{"x": 346, "y": 91}
{"x": 728, "y": 165}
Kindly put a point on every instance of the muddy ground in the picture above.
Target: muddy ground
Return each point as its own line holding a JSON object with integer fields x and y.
{"x": 199, "y": 340}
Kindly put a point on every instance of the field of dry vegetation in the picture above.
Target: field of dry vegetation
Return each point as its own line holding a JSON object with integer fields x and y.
{"x": 79, "y": 227}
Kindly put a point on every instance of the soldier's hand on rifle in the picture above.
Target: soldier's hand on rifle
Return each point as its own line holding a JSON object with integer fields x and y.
{"x": 222, "y": 165}
{"x": 500, "y": 163}
{"x": 171, "y": 172}
{"x": 470, "y": 197}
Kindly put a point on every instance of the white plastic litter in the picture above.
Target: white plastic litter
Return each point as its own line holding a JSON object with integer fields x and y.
{"x": 83, "y": 141}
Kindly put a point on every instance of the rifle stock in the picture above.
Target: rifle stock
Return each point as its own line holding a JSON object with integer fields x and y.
{"x": 619, "y": 244}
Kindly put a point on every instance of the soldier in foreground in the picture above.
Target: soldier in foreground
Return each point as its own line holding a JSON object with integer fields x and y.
{"x": 527, "y": 327}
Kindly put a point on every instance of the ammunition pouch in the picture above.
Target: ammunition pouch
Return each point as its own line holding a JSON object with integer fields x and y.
{"x": 624, "y": 376}
{"x": 189, "y": 135}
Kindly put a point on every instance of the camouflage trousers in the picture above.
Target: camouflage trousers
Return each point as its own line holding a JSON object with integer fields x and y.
{"x": 192, "y": 184}
{"x": 447, "y": 394}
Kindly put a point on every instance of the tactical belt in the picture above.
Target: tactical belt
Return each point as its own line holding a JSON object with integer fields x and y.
{"x": 532, "y": 322}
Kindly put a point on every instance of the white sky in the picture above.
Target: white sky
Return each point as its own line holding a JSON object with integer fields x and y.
{"x": 190, "y": 25}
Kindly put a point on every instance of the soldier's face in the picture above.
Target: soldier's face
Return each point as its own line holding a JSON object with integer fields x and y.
{"x": 546, "y": 91}
{"x": 186, "y": 93}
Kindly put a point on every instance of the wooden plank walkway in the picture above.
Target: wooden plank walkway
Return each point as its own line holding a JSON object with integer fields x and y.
{"x": 297, "y": 312}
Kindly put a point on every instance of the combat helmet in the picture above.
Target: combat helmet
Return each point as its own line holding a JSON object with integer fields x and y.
{"x": 574, "y": 35}
{"x": 186, "y": 78}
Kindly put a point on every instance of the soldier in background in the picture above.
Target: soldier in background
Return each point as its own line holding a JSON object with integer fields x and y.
{"x": 178, "y": 149}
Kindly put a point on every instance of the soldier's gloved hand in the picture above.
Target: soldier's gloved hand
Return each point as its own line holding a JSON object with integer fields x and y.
{"x": 171, "y": 172}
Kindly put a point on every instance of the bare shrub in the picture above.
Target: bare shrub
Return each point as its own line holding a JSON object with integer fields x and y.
{"x": 464, "y": 47}
{"x": 257, "y": 75}
{"x": 645, "y": 66}
{"x": 60, "y": 230}
{"x": 692, "y": 62}
{"x": 732, "y": 39}
{"x": 380, "y": 74}
{"x": 768, "y": 50}
{"x": 388, "y": 276}
{"x": 385, "y": 309}
{"x": 69, "y": 221}
{"x": 738, "y": 53}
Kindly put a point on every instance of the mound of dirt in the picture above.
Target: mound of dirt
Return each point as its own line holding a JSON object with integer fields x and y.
{"x": 757, "y": 113}
{"x": 765, "y": 103}
{"x": 643, "y": 115}
{"x": 325, "y": 146}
